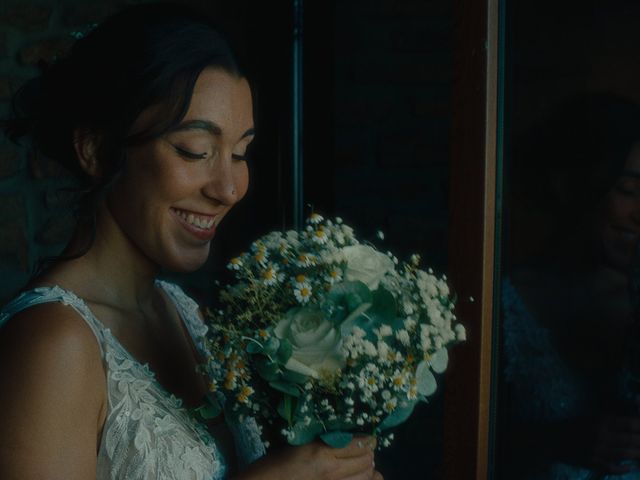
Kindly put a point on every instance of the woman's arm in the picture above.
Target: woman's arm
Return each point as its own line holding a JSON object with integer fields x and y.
{"x": 53, "y": 395}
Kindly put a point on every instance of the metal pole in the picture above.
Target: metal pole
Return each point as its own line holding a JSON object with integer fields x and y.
{"x": 297, "y": 118}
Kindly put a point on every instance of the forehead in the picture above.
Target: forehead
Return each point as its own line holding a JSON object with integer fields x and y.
{"x": 222, "y": 98}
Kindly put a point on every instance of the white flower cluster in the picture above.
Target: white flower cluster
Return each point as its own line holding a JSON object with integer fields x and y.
{"x": 347, "y": 337}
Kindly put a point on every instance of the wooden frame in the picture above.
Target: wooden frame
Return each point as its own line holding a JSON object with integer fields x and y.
{"x": 472, "y": 237}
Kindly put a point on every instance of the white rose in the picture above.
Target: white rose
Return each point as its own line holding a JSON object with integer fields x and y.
{"x": 316, "y": 342}
{"x": 366, "y": 264}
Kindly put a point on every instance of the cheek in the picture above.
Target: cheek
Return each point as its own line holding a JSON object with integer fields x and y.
{"x": 241, "y": 180}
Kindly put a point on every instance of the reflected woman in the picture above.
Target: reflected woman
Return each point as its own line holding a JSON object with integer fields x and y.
{"x": 97, "y": 356}
{"x": 567, "y": 311}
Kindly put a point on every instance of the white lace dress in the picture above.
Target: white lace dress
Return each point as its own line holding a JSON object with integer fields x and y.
{"x": 544, "y": 388}
{"x": 148, "y": 434}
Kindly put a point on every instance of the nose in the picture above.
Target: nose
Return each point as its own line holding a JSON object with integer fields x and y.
{"x": 222, "y": 183}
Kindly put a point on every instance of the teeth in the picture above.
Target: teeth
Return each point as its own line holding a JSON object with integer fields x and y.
{"x": 195, "y": 220}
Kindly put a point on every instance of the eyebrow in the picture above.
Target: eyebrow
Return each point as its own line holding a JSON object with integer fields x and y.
{"x": 208, "y": 126}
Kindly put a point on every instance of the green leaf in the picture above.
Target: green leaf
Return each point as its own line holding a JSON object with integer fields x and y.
{"x": 337, "y": 439}
{"x": 286, "y": 408}
{"x": 286, "y": 387}
{"x": 254, "y": 347}
{"x": 271, "y": 346}
{"x": 439, "y": 360}
{"x": 266, "y": 368}
{"x": 353, "y": 294}
{"x": 294, "y": 377}
{"x": 284, "y": 352}
{"x": 384, "y": 304}
{"x": 398, "y": 416}
{"x": 425, "y": 381}
{"x": 209, "y": 410}
{"x": 303, "y": 434}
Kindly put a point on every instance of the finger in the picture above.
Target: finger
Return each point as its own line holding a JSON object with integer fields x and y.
{"x": 377, "y": 476}
{"x": 359, "y": 446}
{"x": 354, "y": 466}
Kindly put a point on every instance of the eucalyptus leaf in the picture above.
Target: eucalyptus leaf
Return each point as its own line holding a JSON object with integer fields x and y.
{"x": 303, "y": 434}
{"x": 286, "y": 387}
{"x": 384, "y": 304}
{"x": 439, "y": 360}
{"x": 398, "y": 416}
{"x": 266, "y": 368}
{"x": 286, "y": 407}
{"x": 209, "y": 410}
{"x": 425, "y": 381}
{"x": 294, "y": 377}
{"x": 337, "y": 439}
{"x": 284, "y": 352}
{"x": 254, "y": 347}
{"x": 353, "y": 294}
{"x": 271, "y": 346}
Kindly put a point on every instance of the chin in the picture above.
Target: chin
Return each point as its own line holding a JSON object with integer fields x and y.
{"x": 185, "y": 263}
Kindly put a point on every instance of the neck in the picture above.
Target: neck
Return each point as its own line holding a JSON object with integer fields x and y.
{"x": 113, "y": 271}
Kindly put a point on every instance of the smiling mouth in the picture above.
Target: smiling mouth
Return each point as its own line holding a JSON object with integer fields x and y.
{"x": 202, "y": 222}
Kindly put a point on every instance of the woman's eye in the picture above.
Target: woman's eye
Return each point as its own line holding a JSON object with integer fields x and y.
{"x": 189, "y": 154}
{"x": 241, "y": 158}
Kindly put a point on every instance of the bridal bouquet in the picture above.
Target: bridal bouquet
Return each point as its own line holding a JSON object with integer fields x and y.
{"x": 327, "y": 335}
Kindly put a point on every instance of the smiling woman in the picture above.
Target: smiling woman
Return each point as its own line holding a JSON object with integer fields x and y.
{"x": 97, "y": 356}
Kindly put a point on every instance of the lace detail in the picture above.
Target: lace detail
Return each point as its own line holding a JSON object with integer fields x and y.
{"x": 148, "y": 433}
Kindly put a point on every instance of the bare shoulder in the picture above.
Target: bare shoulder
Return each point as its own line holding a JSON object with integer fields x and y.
{"x": 50, "y": 330}
{"x": 53, "y": 386}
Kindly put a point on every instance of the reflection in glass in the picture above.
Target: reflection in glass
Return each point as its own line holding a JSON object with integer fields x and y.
{"x": 568, "y": 395}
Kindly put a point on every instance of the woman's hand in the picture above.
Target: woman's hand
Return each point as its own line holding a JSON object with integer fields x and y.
{"x": 317, "y": 461}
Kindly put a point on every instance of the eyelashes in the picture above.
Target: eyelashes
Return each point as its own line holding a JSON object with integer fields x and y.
{"x": 201, "y": 156}
{"x": 190, "y": 155}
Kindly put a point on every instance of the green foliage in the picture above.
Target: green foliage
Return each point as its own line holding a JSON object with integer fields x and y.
{"x": 337, "y": 439}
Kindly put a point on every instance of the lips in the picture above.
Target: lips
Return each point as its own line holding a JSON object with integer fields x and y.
{"x": 200, "y": 225}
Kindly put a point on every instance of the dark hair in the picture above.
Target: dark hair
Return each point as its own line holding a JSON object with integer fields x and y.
{"x": 146, "y": 55}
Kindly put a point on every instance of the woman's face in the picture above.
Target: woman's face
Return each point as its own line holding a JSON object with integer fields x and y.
{"x": 621, "y": 230}
{"x": 175, "y": 190}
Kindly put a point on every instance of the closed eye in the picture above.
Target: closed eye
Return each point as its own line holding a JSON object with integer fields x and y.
{"x": 190, "y": 155}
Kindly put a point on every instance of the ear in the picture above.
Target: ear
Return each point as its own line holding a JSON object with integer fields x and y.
{"x": 86, "y": 145}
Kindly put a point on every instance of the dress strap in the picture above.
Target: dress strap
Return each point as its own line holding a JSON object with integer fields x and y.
{"x": 39, "y": 295}
{"x": 189, "y": 311}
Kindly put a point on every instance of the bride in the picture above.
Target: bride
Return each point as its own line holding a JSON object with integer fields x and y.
{"x": 97, "y": 357}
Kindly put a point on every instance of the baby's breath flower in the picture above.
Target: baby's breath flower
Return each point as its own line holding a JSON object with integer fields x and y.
{"x": 403, "y": 337}
{"x": 380, "y": 234}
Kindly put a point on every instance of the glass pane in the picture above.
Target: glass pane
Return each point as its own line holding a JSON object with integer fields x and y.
{"x": 377, "y": 123}
{"x": 568, "y": 361}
